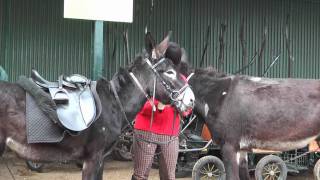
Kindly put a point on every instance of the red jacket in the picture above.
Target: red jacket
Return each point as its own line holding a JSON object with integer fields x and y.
{"x": 162, "y": 120}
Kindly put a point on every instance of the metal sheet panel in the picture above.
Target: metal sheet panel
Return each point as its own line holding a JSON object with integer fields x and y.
{"x": 166, "y": 16}
{"x": 38, "y": 37}
{"x": 2, "y": 8}
{"x": 190, "y": 19}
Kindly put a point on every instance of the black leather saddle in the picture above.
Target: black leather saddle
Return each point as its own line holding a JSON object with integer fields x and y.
{"x": 78, "y": 104}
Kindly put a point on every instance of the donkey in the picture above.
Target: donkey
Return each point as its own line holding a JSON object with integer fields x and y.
{"x": 122, "y": 97}
{"x": 244, "y": 113}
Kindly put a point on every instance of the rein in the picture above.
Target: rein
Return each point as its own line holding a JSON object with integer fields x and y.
{"x": 113, "y": 88}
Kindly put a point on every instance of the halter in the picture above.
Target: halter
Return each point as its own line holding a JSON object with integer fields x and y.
{"x": 173, "y": 94}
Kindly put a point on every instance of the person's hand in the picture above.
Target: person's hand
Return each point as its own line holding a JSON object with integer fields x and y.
{"x": 161, "y": 106}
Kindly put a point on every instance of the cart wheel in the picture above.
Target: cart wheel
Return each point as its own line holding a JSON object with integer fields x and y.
{"x": 124, "y": 153}
{"x": 35, "y": 166}
{"x": 316, "y": 170}
{"x": 209, "y": 167}
{"x": 271, "y": 167}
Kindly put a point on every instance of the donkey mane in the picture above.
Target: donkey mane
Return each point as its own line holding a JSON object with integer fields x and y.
{"x": 210, "y": 72}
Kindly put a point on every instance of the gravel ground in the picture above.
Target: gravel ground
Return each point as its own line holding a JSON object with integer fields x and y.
{"x": 13, "y": 168}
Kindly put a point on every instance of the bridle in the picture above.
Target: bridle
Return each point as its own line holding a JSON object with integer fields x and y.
{"x": 173, "y": 93}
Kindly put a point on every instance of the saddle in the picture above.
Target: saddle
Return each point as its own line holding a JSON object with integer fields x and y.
{"x": 78, "y": 104}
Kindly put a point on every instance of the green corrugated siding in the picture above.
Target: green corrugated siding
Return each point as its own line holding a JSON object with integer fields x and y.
{"x": 38, "y": 36}
{"x": 189, "y": 20}
{"x": 1, "y": 32}
{"x": 167, "y": 15}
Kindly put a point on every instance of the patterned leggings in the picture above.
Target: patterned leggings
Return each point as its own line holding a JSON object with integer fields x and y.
{"x": 143, "y": 153}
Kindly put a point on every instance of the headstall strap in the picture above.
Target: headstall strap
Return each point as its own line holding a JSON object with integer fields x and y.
{"x": 153, "y": 67}
{"x": 189, "y": 77}
{"x": 157, "y": 64}
{"x": 174, "y": 94}
{"x": 137, "y": 83}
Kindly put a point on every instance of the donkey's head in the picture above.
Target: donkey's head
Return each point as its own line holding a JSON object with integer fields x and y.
{"x": 156, "y": 74}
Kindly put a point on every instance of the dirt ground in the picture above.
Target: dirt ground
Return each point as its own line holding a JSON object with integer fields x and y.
{"x": 13, "y": 168}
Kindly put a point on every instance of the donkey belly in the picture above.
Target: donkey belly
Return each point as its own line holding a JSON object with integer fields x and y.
{"x": 276, "y": 145}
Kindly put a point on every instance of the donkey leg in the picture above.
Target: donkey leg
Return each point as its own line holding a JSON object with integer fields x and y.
{"x": 40, "y": 152}
{"x": 100, "y": 171}
{"x": 93, "y": 167}
{"x": 229, "y": 154}
{"x": 244, "y": 170}
{"x": 2, "y": 144}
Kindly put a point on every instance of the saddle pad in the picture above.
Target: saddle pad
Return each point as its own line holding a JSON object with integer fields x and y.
{"x": 40, "y": 129}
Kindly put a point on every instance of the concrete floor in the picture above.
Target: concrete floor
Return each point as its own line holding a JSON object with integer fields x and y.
{"x": 13, "y": 168}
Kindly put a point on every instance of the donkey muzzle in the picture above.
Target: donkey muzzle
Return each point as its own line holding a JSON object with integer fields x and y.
{"x": 185, "y": 100}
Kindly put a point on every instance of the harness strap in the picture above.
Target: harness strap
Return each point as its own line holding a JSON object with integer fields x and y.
{"x": 93, "y": 87}
{"x": 119, "y": 103}
{"x": 189, "y": 77}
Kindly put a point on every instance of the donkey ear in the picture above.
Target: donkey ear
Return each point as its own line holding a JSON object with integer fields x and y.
{"x": 162, "y": 47}
{"x": 150, "y": 43}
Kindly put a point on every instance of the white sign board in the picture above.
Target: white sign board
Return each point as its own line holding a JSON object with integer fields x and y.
{"x": 105, "y": 10}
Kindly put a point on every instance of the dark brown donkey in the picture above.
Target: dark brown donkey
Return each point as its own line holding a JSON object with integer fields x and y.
{"x": 91, "y": 144}
{"x": 247, "y": 112}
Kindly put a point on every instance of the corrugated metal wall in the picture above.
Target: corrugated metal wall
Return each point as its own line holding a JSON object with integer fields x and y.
{"x": 1, "y": 30}
{"x": 167, "y": 15}
{"x": 189, "y": 20}
{"x": 37, "y": 35}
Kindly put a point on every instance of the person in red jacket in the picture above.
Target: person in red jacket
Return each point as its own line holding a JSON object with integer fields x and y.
{"x": 159, "y": 132}
{"x": 157, "y": 128}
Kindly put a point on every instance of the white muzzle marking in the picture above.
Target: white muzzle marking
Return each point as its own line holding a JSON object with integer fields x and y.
{"x": 186, "y": 100}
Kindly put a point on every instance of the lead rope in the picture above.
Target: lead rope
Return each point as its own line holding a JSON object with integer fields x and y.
{"x": 153, "y": 98}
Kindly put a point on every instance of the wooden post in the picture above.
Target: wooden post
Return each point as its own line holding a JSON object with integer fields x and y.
{"x": 98, "y": 54}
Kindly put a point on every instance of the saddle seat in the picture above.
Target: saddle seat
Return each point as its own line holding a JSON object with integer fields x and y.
{"x": 78, "y": 104}
{"x": 70, "y": 81}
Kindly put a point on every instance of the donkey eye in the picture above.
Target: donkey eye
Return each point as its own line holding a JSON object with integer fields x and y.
{"x": 171, "y": 74}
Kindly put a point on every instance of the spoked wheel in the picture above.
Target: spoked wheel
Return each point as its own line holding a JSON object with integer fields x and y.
{"x": 208, "y": 167}
{"x": 123, "y": 150}
{"x": 271, "y": 167}
{"x": 123, "y": 153}
{"x": 316, "y": 170}
{"x": 35, "y": 166}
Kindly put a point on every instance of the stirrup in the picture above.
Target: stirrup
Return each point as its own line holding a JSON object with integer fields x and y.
{"x": 61, "y": 96}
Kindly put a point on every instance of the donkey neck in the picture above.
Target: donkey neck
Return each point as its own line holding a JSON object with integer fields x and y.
{"x": 209, "y": 91}
{"x": 131, "y": 98}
